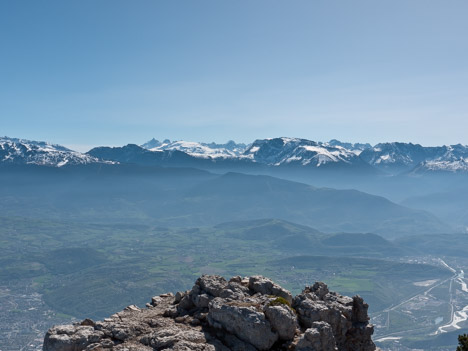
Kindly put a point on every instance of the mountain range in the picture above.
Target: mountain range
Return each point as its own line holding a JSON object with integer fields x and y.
{"x": 20, "y": 151}
{"x": 275, "y": 153}
{"x": 186, "y": 197}
{"x": 124, "y": 220}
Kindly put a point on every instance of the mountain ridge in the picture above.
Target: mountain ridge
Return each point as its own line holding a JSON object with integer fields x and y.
{"x": 263, "y": 154}
{"x": 191, "y": 197}
{"x": 22, "y": 151}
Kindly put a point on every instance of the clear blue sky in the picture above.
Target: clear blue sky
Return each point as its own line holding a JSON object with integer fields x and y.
{"x": 110, "y": 72}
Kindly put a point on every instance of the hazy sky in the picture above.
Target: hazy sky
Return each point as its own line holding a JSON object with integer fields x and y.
{"x": 86, "y": 72}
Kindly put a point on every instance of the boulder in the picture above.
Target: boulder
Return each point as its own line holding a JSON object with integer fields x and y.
{"x": 244, "y": 320}
{"x": 71, "y": 337}
{"x": 317, "y": 338}
{"x": 266, "y": 286}
{"x": 283, "y": 320}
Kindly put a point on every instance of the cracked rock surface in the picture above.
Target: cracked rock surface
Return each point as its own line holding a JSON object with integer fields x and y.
{"x": 242, "y": 314}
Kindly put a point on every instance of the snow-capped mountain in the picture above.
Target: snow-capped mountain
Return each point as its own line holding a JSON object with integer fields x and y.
{"x": 454, "y": 152}
{"x": 357, "y": 148}
{"x": 393, "y": 158}
{"x": 400, "y": 157}
{"x": 294, "y": 151}
{"x": 196, "y": 149}
{"x": 442, "y": 166}
{"x": 20, "y": 151}
{"x": 277, "y": 152}
{"x": 453, "y": 158}
{"x": 151, "y": 144}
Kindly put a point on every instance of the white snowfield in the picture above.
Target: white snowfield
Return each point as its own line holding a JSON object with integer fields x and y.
{"x": 271, "y": 152}
{"x": 416, "y": 158}
{"x": 393, "y": 158}
{"x": 20, "y": 151}
{"x": 324, "y": 154}
{"x": 280, "y": 151}
{"x": 390, "y": 153}
{"x": 202, "y": 150}
{"x": 453, "y": 158}
{"x": 283, "y": 151}
{"x": 460, "y": 165}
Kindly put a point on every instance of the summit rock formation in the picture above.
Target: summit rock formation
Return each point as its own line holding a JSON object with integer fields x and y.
{"x": 242, "y": 314}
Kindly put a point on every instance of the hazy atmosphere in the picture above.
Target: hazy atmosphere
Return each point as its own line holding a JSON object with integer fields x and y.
{"x": 87, "y": 73}
{"x": 218, "y": 175}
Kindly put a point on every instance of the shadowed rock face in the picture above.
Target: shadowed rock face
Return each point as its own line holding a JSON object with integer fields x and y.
{"x": 242, "y": 314}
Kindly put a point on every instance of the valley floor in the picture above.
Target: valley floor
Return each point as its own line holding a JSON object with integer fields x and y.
{"x": 440, "y": 308}
{"x": 437, "y": 309}
{"x": 416, "y": 302}
{"x": 24, "y": 317}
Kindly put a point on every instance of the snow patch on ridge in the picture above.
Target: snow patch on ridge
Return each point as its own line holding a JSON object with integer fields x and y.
{"x": 196, "y": 149}
{"x": 280, "y": 151}
{"x": 21, "y": 151}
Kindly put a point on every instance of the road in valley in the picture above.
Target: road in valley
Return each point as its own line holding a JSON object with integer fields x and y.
{"x": 456, "y": 317}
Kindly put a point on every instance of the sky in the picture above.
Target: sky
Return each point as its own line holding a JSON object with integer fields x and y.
{"x": 85, "y": 73}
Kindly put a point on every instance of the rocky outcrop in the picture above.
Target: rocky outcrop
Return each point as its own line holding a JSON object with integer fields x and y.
{"x": 242, "y": 314}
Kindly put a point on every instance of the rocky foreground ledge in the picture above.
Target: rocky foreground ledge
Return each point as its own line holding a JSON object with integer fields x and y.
{"x": 242, "y": 314}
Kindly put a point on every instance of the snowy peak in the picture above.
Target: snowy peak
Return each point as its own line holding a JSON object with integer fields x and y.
{"x": 454, "y": 152}
{"x": 20, "y": 151}
{"x": 294, "y": 151}
{"x": 357, "y": 148}
{"x": 453, "y": 158}
{"x": 271, "y": 152}
{"x": 395, "y": 156}
{"x": 32, "y": 143}
{"x": 455, "y": 166}
{"x": 196, "y": 149}
{"x": 400, "y": 157}
{"x": 154, "y": 143}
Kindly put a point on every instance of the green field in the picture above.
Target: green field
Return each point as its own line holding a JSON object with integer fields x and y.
{"x": 93, "y": 270}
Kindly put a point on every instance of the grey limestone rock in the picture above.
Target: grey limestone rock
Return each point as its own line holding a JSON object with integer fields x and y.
{"x": 346, "y": 316}
{"x": 317, "y": 338}
{"x": 283, "y": 320}
{"x": 243, "y": 320}
{"x": 72, "y": 337}
{"x": 242, "y": 314}
{"x": 266, "y": 286}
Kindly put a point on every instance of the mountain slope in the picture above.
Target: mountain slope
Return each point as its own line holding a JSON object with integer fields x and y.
{"x": 268, "y": 155}
{"x": 134, "y": 154}
{"x": 21, "y": 152}
{"x": 196, "y": 149}
{"x": 299, "y": 239}
{"x": 294, "y": 151}
{"x": 451, "y": 206}
{"x": 395, "y": 157}
{"x": 402, "y": 157}
{"x": 182, "y": 197}
{"x": 453, "y": 159}
{"x": 440, "y": 165}
{"x": 249, "y": 197}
